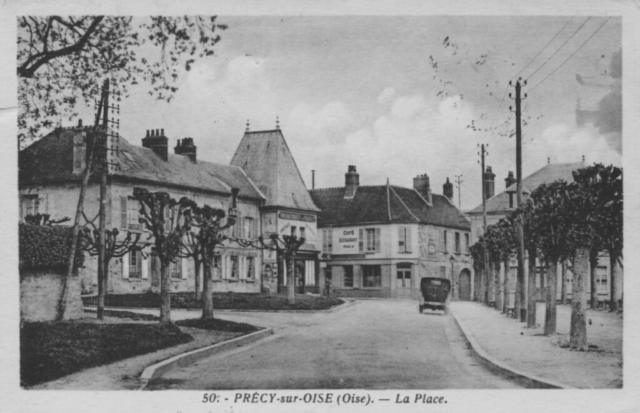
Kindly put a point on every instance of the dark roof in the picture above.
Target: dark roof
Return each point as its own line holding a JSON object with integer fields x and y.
{"x": 385, "y": 204}
{"x": 51, "y": 159}
{"x": 549, "y": 173}
{"x": 266, "y": 158}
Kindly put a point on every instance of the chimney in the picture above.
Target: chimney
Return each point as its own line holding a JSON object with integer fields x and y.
{"x": 489, "y": 183}
{"x": 421, "y": 184}
{"x": 157, "y": 142}
{"x": 447, "y": 190}
{"x": 186, "y": 148}
{"x": 509, "y": 180}
{"x": 351, "y": 182}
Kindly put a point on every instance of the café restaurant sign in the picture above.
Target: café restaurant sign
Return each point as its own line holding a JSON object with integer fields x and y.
{"x": 347, "y": 242}
{"x": 297, "y": 217}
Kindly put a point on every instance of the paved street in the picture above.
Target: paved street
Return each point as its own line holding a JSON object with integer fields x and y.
{"x": 372, "y": 345}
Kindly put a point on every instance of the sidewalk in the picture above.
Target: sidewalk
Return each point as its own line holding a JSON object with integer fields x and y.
{"x": 527, "y": 350}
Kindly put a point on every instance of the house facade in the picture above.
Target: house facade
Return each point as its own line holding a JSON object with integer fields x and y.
{"x": 288, "y": 208}
{"x": 500, "y": 205}
{"x": 49, "y": 181}
{"x": 379, "y": 241}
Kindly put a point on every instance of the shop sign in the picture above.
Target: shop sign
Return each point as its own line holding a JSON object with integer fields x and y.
{"x": 347, "y": 241}
{"x": 297, "y": 217}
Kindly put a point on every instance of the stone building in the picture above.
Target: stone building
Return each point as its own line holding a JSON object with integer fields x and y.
{"x": 379, "y": 241}
{"x": 288, "y": 208}
{"x": 49, "y": 179}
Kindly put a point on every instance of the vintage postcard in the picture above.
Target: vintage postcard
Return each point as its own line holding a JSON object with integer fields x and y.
{"x": 319, "y": 206}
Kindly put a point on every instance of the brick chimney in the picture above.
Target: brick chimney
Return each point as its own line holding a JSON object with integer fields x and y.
{"x": 351, "y": 182}
{"x": 187, "y": 148}
{"x": 489, "y": 183}
{"x": 421, "y": 184}
{"x": 157, "y": 142}
{"x": 509, "y": 180}
{"x": 447, "y": 190}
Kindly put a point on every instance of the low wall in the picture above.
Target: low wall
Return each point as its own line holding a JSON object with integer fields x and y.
{"x": 358, "y": 293}
{"x": 40, "y": 293}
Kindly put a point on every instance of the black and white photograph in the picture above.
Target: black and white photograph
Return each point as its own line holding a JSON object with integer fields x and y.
{"x": 320, "y": 206}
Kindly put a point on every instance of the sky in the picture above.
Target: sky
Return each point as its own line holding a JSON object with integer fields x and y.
{"x": 399, "y": 96}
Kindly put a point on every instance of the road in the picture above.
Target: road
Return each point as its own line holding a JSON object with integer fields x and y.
{"x": 381, "y": 344}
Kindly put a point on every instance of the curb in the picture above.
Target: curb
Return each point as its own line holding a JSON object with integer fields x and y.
{"x": 496, "y": 366}
{"x": 156, "y": 370}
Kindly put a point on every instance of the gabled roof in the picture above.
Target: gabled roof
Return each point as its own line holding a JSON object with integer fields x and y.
{"x": 266, "y": 158}
{"x": 384, "y": 204}
{"x": 549, "y": 173}
{"x": 51, "y": 159}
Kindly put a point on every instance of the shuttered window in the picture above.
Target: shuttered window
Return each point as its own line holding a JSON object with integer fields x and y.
{"x": 250, "y": 268}
{"x": 373, "y": 240}
{"x": 327, "y": 243}
{"x": 404, "y": 239}
{"x": 124, "y": 223}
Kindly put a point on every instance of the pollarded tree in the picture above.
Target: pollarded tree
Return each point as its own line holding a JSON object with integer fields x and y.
{"x": 167, "y": 220}
{"x": 61, "y": 58}
{"x": 477, "y": 254}
{"x": 207, "y": 226}
{"x": 493, "y": 241}
{"x": 553, "y": 224}
{"x": 526, "y": 212}
{"x": 506, "y": 230}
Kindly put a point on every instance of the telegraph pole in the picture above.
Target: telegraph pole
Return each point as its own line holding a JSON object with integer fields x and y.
{"x": 519, "y": 231}
{"x": 458, "y": 182}
{"x": 485, "y": 290}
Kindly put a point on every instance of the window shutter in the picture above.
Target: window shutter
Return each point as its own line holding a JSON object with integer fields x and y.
{"x": 408, "y": 240}
{"x": 255, "y": 228}
{"x": 125, "y": 266}
{"x": 123, "y": 212}
{"x": 144, "y": 270}
{"x": 185, "y": 268}
{"x": 167, "y": 219}
{"x": 223, "y": 266}
{"x": 377, "y": 240}
{"x": 361, "y": 240}
{"x": 401, "y": 240}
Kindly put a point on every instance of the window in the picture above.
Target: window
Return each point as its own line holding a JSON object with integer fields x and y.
{"x": 445, "y": 246}
{"x": 248, "y": 228}
{"x": 327, "y": 241}
{"x": 302, "y": 232}
{"x": 236, "y": 230}
{"x": 601, "y": 280}
{"x": 294, "y": 231}
{"x": 371, "y": 276}
{"x": 233, "y": 270}
{"x": 216, "y": 271}
{"x": 510, "y": 199}
{"x": 30, "y": 205}
{"x": 457, "y": 243}
{"x": 404, "y": 239}
{"x": 466, "y": 243}
{"x": 250, "y": 268}
{"x": 369, "y": 240}
{"x": 135, "y": 264}
{"x": 175, "y": 269}
{"x": 348, "y": 276}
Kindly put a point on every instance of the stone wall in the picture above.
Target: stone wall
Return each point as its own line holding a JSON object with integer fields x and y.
{"x": 40, "y": 293}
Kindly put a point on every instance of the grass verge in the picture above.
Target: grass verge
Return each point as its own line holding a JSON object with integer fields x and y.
{"x": 221, "y": 301}
{"x": 49, "y": 350}
{"x": 218, "y": 325}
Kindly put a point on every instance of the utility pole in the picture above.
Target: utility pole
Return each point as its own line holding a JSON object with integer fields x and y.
{"x": 519, "y": 231}
{"x": 485, "y": 297}
{"x": 458, "y": 182}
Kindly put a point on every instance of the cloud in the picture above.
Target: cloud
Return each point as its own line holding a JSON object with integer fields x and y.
{"x": 386, "y": 95}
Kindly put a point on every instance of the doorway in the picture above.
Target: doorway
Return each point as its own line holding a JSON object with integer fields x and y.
{"x": 404, "y": 284}
{"x": 464, "y": 279}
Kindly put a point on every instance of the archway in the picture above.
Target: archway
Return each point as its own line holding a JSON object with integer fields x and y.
{"x": 464, "y": 278}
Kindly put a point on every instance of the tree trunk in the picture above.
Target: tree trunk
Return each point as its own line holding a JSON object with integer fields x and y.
{"x": 578, "y": 332}
{"x": 487, "y": 284}
{"x": 197, "y": 265}
{"x": 506, "y": 294}
{"x": 207, "y": 293}
{"x": 531, "y": 287}
{"x": 165, "y": 294}
{"x": 102, "y": 290}
{"x": 563, "y": 285}
{"x": 476, "y": 285}
{"x": 496, "y": 285}
{"x": 613, "y": 303}
{"x": 552, "y": 288}
{"x": 517, "y": 300}
{"x": 593, "y": 264}
{"x": 291, "y": 282}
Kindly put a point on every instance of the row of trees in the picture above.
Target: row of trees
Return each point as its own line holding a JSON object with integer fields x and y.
{"x": 183, "y": 229}
{"x": 567, "y": 225}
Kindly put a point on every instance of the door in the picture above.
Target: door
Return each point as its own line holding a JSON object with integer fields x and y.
{"x": 404, "y": 284}
{"x": 465, "y": 285}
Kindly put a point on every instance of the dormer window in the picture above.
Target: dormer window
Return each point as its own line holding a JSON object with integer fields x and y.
{"x": 510, "y": 199}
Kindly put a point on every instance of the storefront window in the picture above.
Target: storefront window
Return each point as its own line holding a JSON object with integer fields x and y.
{"x": 371, "y": 276}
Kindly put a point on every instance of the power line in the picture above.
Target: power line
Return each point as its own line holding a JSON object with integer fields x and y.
{"x": 560, "y": 48}
{"x": 545, "y": 46}
{"x": 578, "y": 49}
